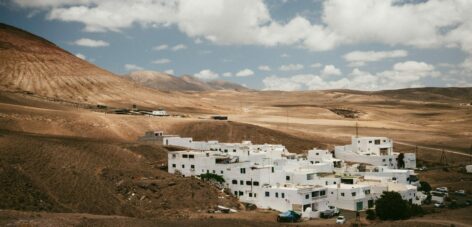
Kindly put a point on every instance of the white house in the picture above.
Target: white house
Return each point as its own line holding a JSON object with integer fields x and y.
{"x": 269, "y": 176}
{"x": 159, "y": 112}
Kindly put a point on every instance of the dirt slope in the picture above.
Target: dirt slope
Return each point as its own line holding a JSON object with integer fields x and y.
{"x": 32, "y": 64}
{"x": 67, "y": 174}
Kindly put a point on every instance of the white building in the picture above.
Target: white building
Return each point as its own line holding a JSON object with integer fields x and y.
{"x": 269, "y": 176}
{"x": 377, "y": 151}
{"x": 159, "y": 112}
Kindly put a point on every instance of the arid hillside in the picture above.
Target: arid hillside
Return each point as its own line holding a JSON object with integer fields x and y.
{"x": 31, "y": 64}
{"x": 167, "y": 82}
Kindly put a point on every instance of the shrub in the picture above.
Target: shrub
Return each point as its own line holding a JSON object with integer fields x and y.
{"x": 212, "y": 177}
{"x": 424, "y": 186}
{"x": 416, "y": 210}
{"x": 391, "y": 206}
{"x": 370, "y": 214}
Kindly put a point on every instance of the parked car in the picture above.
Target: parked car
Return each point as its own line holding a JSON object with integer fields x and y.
{"x": 439, "y": 205}
{"x": 335, "y": 209}
{"x": 340, "y": 220}
{"x": 442, "y": 189}
{"x": 289, "y": 216}
{"x": 331, "y": 212}
{"x": 460, "y": 192}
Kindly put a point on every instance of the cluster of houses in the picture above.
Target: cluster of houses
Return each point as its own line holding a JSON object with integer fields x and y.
{"x": 269, "y": 176}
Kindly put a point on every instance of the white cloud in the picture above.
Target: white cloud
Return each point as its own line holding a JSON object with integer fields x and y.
{"x": 81, "y": 56}
{"x": 160, "y": 47}
{"x": 132, "y": 67}
{"x": 291, "y": 67}
{"x": 161, "y": 61}
{"x": 90, "y": 43}
{"x": 245, "y": 73}
{"x": 427, "y": 24}
{"x": 179, "y": 47}
{"x": 169, "y": 71}
{"x": 284, "y": 55}
{"x": 206, "y": 74}
{"x": 359, "y": 58}
{"x": 316, "y": 65}
{"x": 330, "y": 70}
{"x": 401, "y": 75}
{"x": 281, "y": 84}
{"x": 264, "y": 68}
{"x": 227, "y": 74}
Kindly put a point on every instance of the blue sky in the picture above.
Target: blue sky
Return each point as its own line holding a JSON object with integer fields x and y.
{"x": 272, "y": 45}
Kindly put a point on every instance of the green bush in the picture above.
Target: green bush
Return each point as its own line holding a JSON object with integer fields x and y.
{"x": 424, "y": 186}
{"x": 370, "y": 214}
{"x": 391, "y": 206}
{"x": 416, "y": 210}
{"x": 211, "y": 176}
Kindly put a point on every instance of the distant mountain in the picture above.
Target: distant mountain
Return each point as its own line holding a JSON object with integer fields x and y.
{"x": 29, "y": 63}
{"x": 167, "y": 82}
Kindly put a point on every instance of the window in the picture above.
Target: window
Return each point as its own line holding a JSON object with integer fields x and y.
{"x": 370, "y": 141}
{"x": 317, "y": 154}
{"x": 272, "y": 169}
{"x": 234, "y": 150}
{"x": 283, "y": 195}
{"x": 248, "y": 182}
{"x": 377, "y": 142}
{"x": 342, "y": 193}
{"x": 226, "y": 150}
{"x": 255, "y": 195}
{"x": 184, "y": 156}
{"x": 315, "y": 194}
{"x": 242, "y": 170}
{"x": 191, "y": 156}
{"x": 250, "y": 194}
{"x": 173, "y": 155}
{"x": 367, "y": 192}
{"x": 322, "y": 193}
{"x": 173, "y": 165}
{"x": 183, "y": 166}
{"x": 385, "y": 141}
{"x": 287, "y": 178}
{"x": 267, "y": 194}
{"x": 236, "y": 193}
{"x": 192, "y": 166}
{"x": 307, "y": 196}
{"x": 383, "y": 160}
{"x": 276, "y": 195}
{"x": 214, "y": 171}
{"x": 208, "y": 171}
{"x": 241, "y": 182}
{"x": 353, "y": 193}
{"x": 241, "y": 193}
{"x": 255, "y": 183}
{"x": 221, "y": 171}
{"x": 208, "y": 154}
{"x": 332, "y": 193}
{"x": 234, "y": 181}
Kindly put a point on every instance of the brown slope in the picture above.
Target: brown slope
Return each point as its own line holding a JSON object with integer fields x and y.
{"x": 68, "y": 174}
{"x": 32, "y": 64}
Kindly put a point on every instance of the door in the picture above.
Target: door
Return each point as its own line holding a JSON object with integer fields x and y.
{"x": 359, "y": 206}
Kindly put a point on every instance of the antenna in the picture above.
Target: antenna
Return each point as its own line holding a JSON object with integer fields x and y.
{"x": 357, "y": 130}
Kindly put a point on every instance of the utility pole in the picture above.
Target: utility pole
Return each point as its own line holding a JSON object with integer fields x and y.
{"x": 443, "y": 157}
{"x": 357, "y": 130}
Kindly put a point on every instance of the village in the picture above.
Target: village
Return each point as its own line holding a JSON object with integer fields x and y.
{"x": 316, "y": 184}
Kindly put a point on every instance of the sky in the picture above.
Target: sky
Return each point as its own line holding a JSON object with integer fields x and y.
{"x": 268, "y": 45}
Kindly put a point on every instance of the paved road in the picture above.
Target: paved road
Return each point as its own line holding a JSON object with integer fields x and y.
{"x": 434, "y": 148}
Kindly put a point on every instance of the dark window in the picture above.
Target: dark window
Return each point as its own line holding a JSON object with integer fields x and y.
{"x": 241, "y": 182}
{"x": 283, "y": 195}
{"x": 272, "y": 169}
{"x": 248, "y": 182}
{"x": 322, "y": 193}
{"x": 367, "y": 192}
{"x": 192, "y": 166}
{"x": 242, "y": 170}
{"x": 255, "y": 195}
{"x": 208, "y": 171}
{"x": 234, "y": 150}
{"x": 173, "y": 155}
{"x": 287, "y": 177}
{"x": 353, "y": 194}
{"x": 236, "y": 193}
{"x": 173, "y": 165}
{"x": 250, "y": 194}
{"x": 342, "y": 193}
{"x": 234, "y": 181}
{"x": 226, "y": 150}
{"x": 315, "y": 194}
{"x": 214, "y": 171}
{"x": 370, "y": 141}
{"x": 183, "y": 166}
{"x": 267, "y": 194}
{"x": 184, "y": 156}
{"x": 208, "y": 154}
{"x": 241, "y": 193}
{"x": 191, "y": 156}
{"x": 255, "y": 183}
{"x": 221, "y": 171}
{"x": 307, "y": 196}
{"x": 276, "y": 195}
{"x": 377, "y": 142}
